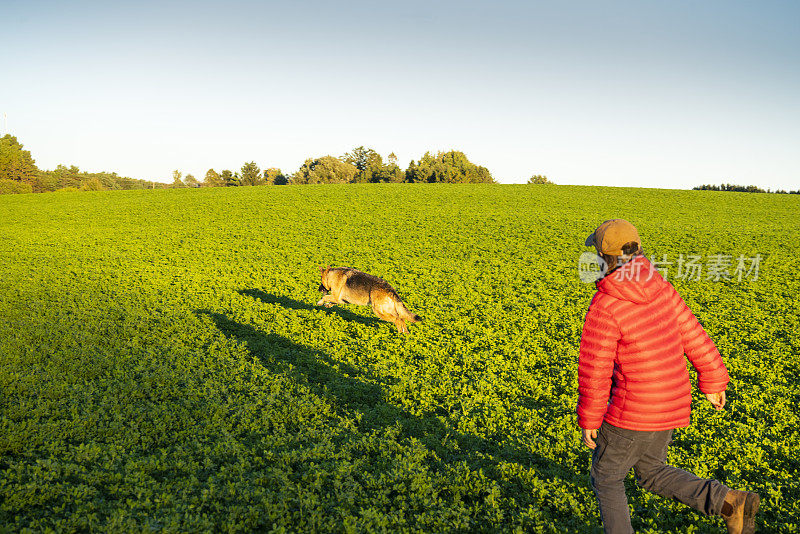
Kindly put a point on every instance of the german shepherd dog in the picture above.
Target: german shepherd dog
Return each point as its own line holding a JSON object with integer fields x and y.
{"x": 350, "y": 286}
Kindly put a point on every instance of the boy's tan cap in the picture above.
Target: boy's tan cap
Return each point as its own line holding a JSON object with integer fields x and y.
{"x": 611, "y": 235}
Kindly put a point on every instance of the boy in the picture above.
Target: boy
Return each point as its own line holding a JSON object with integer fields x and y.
{"x": 636, "y": 333}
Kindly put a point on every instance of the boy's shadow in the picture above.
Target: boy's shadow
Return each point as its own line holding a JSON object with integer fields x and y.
{"x": 351, "y": 390}
{"x": 292, "y": 304}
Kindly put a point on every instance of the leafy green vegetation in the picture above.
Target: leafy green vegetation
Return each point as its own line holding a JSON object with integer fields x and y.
{"x": 9, "y": 187}
{"x": 163, "y": 366}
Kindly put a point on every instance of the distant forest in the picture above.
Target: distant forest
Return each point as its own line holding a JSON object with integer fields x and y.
{"x": 19, "y": 173}
{"x": 742, "y": 189}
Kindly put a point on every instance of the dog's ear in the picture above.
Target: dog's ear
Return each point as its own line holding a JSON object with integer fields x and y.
{"x": 322, "y": 269}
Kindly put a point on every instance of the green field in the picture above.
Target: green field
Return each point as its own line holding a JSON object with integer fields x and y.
{"x": 163, "y": 366}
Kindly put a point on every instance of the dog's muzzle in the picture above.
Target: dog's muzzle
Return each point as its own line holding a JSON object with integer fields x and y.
{"x": 322, "y": 288}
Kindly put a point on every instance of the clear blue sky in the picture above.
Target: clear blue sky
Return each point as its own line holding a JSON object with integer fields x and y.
{"x": 641, "y": 93}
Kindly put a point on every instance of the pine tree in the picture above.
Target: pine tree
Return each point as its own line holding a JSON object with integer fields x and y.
{"x": 15, "y": 163}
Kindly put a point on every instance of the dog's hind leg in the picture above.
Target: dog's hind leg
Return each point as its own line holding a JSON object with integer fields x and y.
{"x": 385, "y": 317}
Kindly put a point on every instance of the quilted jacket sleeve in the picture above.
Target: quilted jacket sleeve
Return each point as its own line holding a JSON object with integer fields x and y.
{"x": 712, "y": 376}
{"x": 596, "y": 365}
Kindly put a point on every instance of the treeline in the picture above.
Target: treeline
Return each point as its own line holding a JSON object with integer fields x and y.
{"x": 19, "y": 173}
{"x": 742, "y": 189}
{"x": 361, "y": 166}
{"x": 73, "y": 179}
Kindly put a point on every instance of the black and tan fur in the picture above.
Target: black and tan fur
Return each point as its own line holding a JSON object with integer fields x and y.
{"x": 351, "y": 286}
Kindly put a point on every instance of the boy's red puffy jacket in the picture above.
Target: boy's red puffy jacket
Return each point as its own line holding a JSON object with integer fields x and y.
{"x": 636, "y": 332}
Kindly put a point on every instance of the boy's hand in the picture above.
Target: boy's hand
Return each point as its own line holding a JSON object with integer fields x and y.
{"x": 717, "y": 400}
{"x": 588, "y": 437}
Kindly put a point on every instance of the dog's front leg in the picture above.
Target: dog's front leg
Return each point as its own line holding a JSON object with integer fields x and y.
{"x": 328, "y": 301}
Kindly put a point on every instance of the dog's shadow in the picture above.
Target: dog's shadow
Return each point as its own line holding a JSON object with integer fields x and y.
{"x": 292, "y": 304}
{"x": 353, "y": 391}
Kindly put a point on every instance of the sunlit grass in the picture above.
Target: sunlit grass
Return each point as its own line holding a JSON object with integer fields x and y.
{"x": 163, "y": 365}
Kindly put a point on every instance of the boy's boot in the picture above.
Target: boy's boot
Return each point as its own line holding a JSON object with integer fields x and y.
{"x": 738, "y": 511}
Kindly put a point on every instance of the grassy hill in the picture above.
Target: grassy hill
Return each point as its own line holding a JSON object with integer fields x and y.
{"x": 163, "y": 366}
